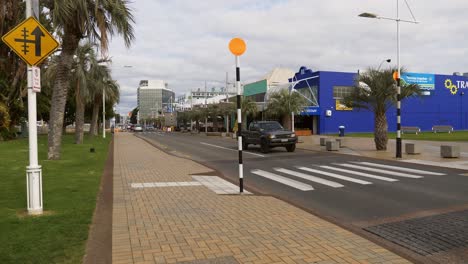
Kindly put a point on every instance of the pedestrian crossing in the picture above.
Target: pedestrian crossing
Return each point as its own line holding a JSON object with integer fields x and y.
{"x": 339, "y": 175}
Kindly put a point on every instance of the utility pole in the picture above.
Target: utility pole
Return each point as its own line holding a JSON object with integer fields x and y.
{"x": 227, "y": 89}
{"x": 206, "y": 117}
{"x": 206, "y": 95}
{"x": 34, "y": 170}
{"x": 227, "y": 101}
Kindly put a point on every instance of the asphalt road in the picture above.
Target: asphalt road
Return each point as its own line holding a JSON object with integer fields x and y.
{"x": 417, "y": 211}
{"x": 355, "y": 199}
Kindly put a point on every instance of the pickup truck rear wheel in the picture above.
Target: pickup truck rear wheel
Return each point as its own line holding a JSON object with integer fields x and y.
{"x": 291, "y": 148}
{"x": 245, "y": 145}
{"x": 264, "y": 146}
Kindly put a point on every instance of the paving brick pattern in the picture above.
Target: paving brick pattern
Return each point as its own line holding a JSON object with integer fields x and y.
{"x": 192, "y": 224}
{"x": 427, "y": 235}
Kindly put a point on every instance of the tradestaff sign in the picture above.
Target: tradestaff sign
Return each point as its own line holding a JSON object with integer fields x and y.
{"x": 424, "y": 80}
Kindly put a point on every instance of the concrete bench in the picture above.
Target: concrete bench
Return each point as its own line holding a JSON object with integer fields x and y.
{"x": 411, "y": 148}
{"x": 450, "y": 151}
{"x": 448, "y": 129}
{"x": 332, "y": 145}
{"x": 410, "y": 129}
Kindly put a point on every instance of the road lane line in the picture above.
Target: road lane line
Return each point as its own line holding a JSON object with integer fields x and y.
{"x": 334, "y": 175}
{"x": 393, "y": 173}
{"x": 310, "y": 178}
{"x": 399, "y": 168}
{"x": 215, "y": 146}
{"x": 292, "y": 183}
{"x": 360, "y": 174}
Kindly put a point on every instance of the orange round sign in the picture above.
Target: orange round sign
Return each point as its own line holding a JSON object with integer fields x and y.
{"x": 395, "y": 75}
{"x": 237, "y": 46}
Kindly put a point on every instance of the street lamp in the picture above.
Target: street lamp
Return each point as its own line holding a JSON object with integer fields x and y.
{"x": 397, "y": 19}
{"x": 380, "y": 65}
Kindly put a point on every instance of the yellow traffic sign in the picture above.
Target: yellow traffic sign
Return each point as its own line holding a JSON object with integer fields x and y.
{"x": 31, "y": 41}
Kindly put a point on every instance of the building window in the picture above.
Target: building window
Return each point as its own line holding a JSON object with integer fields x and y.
{"x": 340, "y": 92}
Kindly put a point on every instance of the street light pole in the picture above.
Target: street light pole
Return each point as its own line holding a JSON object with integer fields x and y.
{"x": 398, "y": 139}
{"x": 380, "y": 65}
{"x": 398, "y": 77}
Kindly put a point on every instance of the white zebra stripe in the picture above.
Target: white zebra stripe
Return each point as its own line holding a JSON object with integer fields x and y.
{"x": 292, "y": 183}
{"x": 310, "y": 178}
{"x": 393, "y": 173}
{"x": 360, "y": 174}
{"x": 334, "y": 175}
{"x": 399, "y": 168}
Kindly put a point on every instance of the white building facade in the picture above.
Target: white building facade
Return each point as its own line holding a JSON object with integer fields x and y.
{"x": 154, "y": 99}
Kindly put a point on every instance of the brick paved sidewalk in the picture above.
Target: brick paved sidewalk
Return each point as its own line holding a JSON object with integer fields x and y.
{"x": 192, "y": 224}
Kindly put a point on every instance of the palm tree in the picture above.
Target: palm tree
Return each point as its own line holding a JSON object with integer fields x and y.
{"x": 102, "y": 83}
{"x": 248, "y": 109}
{"x": 195, "y": 114}
{"x": 226, "y": 109}
{"x": 375, "y": 90}
{"x": 84, "y": 61}
{"x": 100, "y": 73}
{"x": 182, "y": 118}
{"x": 284, "y": 102}
{"x": 13, "y": 88}
{"x": 77, "y": 19}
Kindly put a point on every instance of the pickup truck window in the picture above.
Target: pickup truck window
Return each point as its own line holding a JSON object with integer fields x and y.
{"x": 271, "y": 126}
{"x": 254, "y": 127}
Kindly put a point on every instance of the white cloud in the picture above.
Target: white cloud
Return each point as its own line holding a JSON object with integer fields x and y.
{"x": 185, "y": 42}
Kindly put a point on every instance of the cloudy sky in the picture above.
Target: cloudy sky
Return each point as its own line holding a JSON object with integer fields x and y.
{"x": 185, "y": 42}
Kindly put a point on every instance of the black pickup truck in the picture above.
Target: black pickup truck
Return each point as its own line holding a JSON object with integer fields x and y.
{"x": 268, "y": 134}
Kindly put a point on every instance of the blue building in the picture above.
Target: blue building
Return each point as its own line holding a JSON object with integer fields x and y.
{"x": 443, "y": 103}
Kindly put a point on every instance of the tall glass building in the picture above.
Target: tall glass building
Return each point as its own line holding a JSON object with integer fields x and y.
{"x": 154, "y": 99}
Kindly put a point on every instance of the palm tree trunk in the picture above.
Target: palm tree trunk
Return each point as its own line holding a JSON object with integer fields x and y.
{"x": 59, "y": 95}
{"x": 381, "y": 128}
{"x": 93, "y": 131}
{"x": 79, "y": 116}
{"x": 287, "y": 122}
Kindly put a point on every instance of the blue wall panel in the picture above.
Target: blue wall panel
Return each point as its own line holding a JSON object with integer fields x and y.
{"x": 447, "y": 104}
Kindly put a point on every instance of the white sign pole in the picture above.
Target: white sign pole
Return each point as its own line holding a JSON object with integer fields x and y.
{"x": 33, "y": 171}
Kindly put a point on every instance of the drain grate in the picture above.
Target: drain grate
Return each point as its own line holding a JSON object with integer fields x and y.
{"x": 427, "y": 235}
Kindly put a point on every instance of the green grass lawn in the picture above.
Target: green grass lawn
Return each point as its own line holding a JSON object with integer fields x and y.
{"x": 454, "y": 136}
{"x": 70, "y": 187}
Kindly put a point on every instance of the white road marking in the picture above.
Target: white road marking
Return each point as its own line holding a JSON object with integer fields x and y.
{"x": 218, "y": 185}
{"x": 360, "y": 174}
{"x": 380, "y": 171}
{"x": 310, "y": 178}
{"x": 399, "y": 168}
{"x": 163, "y": 184}
{"x": 334, "y": 175}
{"x": 247, "y": 152}
{"x": 292, "y": 183}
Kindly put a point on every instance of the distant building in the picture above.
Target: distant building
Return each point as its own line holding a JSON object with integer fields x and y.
{"x": 154, "y": 99}
{"x": 443, "y": 102}
{"x": 258, "y": 91}
{"x": 198, "y": 97}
